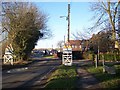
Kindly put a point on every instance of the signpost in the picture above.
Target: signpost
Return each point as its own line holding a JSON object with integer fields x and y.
{"x": 67, "y": 55}
{"x": 8, "y": 56}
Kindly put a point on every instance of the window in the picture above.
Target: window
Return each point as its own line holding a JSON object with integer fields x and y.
{"x": 75, "y": 46}
{"x": 80, "y": 46}
{"x": 72, "y": 46}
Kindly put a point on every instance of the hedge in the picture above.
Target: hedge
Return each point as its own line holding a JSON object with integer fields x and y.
{"x": 107, "y": 56}
{"x": 110, "y": 57}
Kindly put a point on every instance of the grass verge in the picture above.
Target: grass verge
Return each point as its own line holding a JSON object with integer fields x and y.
{"x": 64, "y": 77}
{"x": 49, "y": 56}
{"x": 107, "y": 81}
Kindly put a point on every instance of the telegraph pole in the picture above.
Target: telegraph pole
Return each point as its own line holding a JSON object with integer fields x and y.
{"x": 68, "y": 19}
{"x": 68, "y": 22}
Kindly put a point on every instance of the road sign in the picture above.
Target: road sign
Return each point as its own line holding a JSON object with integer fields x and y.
{"x": 116, "y": 44}
{"x": 67, "y": 55}
{"x": 8, "y": 56}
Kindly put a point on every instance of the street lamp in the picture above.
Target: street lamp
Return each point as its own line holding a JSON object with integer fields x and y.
{"x": 68, "y": 19}
{"x": 64, "y": 16}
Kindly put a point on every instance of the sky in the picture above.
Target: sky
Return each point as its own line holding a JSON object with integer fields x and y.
{"x": 80, "y": 18}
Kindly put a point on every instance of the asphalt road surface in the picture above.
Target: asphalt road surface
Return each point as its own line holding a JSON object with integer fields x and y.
{"x": 29, "y": 77}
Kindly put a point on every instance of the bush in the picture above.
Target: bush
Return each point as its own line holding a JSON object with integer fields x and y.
{"x": 107, "y": 56}
{"x": 110, "y": 57}
{"x": 77, "y": 55}
{"x": 88, "y": 55}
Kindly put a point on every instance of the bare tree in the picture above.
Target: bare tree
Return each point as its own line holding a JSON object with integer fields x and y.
{"x": 81, "y": 36}
{"x": 60, "y": 44}
{"x": 106, "y": 12}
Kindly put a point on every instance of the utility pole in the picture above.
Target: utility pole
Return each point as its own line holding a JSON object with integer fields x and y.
{"x": 68, "y": 19}
{"x": 68, "y": 22}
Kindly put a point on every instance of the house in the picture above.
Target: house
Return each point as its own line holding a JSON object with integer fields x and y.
{"x": 76, "y": 48}
{"x": 76, "y": 45}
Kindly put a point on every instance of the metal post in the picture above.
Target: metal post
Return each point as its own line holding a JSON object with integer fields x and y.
{"x": 96, "y": 61}
{"x": 98, "y": 51}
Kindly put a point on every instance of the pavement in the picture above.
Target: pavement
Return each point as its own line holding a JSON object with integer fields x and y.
{"x": 86, "y": 80}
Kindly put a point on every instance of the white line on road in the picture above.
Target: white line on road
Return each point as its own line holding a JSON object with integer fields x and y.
{"x": 22, "y": 69}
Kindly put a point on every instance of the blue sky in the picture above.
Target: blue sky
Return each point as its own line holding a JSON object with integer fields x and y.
{"x": 80, "y": 18}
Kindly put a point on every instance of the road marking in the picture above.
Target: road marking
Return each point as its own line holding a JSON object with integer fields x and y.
{"x": 22, "y": 69}
{"x": 17, "y": 70}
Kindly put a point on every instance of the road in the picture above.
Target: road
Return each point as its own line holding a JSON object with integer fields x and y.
{"x": 29, "y": 77}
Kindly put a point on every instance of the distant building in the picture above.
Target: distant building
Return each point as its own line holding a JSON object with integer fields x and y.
{"x": 76, "y": 45}
{"x": 76, "y": 48}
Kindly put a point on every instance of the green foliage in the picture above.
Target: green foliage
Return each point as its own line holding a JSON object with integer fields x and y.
{"x": 49, "y": 56}
{"x": 25, "y": 28}
{"x": 110, "y": 57}
{"x": 105, "y": 56}
{"x": 64, "y": 77}
{"x": 88, "y": 55}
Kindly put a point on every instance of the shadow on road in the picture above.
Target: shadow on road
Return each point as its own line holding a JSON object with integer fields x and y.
{"x": 32, "y": 77}
{"x": 29, "y": 62}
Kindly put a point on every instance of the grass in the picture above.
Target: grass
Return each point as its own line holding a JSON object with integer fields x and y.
{"x": 49, "y": 56}
{"x": 107, "y": 81}
{"x": 64, "y": 77}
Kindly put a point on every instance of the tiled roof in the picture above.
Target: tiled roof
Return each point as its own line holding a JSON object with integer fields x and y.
{"x": 75, "y": 44}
